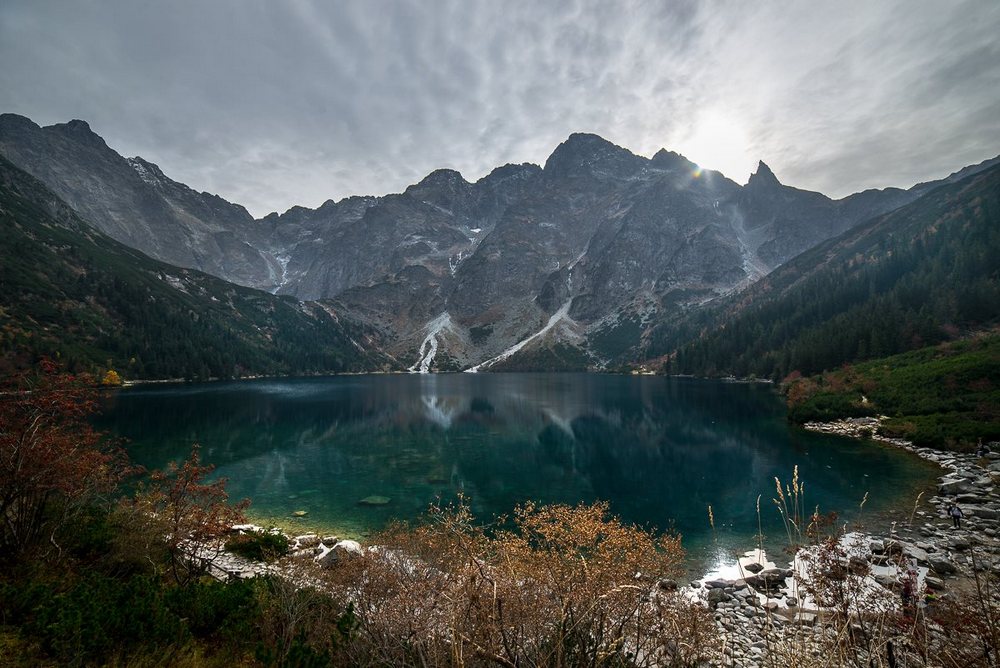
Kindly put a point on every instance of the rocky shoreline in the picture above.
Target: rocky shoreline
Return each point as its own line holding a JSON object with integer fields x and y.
{"x": 760, "y": 604}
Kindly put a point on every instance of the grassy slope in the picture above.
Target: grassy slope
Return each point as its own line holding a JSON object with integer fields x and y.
{"x": 70, "y": 292}
{"x": 941, "y": 396}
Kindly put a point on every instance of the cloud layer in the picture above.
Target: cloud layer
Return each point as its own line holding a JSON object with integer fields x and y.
{"x": 274, "y": 104}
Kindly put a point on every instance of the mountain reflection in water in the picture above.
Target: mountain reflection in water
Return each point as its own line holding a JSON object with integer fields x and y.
{"x": 659, "y": 450}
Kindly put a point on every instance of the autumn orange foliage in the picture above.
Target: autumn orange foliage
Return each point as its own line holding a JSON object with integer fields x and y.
{"x": 52, "y": 462}
{"x": 562, "y": 586}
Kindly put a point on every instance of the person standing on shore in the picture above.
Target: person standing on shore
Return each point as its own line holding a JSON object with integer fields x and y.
{"x": 956, "y": 515}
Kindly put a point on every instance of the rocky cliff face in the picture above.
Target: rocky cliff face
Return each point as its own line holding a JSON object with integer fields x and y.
{"x": 133, "y": 202}
{"x": 563, "y": 265}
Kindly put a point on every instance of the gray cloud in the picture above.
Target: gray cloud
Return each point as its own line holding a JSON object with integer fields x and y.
{"x": 272, "y": 104}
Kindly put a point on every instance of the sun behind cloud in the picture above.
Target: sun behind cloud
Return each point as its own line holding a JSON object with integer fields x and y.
{"x": 717, "y": 141}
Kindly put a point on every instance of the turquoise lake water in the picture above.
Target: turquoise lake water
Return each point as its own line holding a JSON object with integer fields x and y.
{"x": 659, "y": 450}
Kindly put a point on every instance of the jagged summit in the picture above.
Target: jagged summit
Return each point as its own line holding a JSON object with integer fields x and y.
{"x": 12, "y": 121}
{"x": 763, "y": 176}
{"x": 582, "y": 153}
{"x": 442, "y": 176}
{"x": 79, "y": 131}
{"x": 664, "y": 159}
{"x": 598, "y": 236}
{"x": 511, "y": 170}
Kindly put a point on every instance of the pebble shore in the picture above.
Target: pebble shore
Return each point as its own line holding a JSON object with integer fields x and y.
{"x": 764, "y": 605}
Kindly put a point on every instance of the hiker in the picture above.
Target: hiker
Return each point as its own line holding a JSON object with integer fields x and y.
{"x": 956, "y": 515}
{"x": 908, "y": 591}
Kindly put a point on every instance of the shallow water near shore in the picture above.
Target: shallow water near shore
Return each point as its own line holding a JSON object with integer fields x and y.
{"x": 356, "y": 452}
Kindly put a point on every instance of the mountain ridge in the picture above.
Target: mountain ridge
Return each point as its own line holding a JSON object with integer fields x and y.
{"x": 623, "y": 240}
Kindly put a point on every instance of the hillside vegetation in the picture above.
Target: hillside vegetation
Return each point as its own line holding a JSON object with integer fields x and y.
{"x": 926, "y": 273}
{"x": 940, "y": 396}
{"x": 72, "y": 293}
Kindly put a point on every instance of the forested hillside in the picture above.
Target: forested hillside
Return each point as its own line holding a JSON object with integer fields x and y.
{"x": 940, "y": 396}
{"x": 72, "y": 293}
{"x": 926, "y": 273}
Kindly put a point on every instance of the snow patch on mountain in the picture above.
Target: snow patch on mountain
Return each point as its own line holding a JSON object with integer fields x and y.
{"x": 429, "y": 346}
{"x": 143, "y": 173}
{"x": 561, "y": 314}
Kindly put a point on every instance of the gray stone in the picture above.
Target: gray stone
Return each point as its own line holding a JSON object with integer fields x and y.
{"x": 941, "y": 564}
{"x": 342, "y": 551}
{"x": 953, "y": 487}
{"x": 666, "y": 584}
{"x": 717, "y": 596}
{"x": 959, "y": 543}
{"x": 981, "y": 512}
{"x": 306, "y": 540}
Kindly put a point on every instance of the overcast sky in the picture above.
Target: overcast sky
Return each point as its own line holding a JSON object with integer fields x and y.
{"x": 272, "y": 103}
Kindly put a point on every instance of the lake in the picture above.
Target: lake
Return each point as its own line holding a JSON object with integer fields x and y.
{"x": 659, "y": 450}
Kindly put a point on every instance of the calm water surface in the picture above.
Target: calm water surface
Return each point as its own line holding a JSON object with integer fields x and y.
{"x": 659, "y": 450}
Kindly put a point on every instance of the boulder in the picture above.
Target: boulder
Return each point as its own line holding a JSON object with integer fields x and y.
{"x": 717, "y": 584}
{"x": 306, "y": 540}
{"x": 717, "y": 596}
{"x": 940, "y": 564}
{"x": 981, "y": 512}
{"x": 959, "y": 543}
{"x": 952, "y": 487}
{"x": 666, "y": 584}
{"x": 342, "y": 551}
{"x": 917, "y": 553}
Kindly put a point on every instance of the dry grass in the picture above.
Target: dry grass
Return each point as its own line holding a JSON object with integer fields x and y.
{"x": 566, "y": 586}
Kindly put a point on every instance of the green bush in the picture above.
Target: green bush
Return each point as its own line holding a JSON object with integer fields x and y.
{"x": 95, "y": 616}
{"x": 215, "y": 609}
{"x": 259, "y": 545}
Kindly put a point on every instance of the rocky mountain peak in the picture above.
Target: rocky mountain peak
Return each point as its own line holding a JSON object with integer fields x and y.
{"x": 763, "y": 176}
{"x": 79, "y": 131}
{"x": 440, "y": 182}
{"x": 15, "y": 122}
{"x": 511, "y": 171}
{"x": 670, "y": 160}
{"x": 441, "y": 177}
{"x": 584, "y": 153}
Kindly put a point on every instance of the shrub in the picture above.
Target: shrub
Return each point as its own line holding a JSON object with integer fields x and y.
{"x": 564, "y": 586}
{"x": 259, "y": 545}
{"x": 53, "y": 465}
{"x": 191, "y": 515}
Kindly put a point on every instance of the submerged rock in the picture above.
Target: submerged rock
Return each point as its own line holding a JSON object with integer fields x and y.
{"x": 374, "y": 500}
